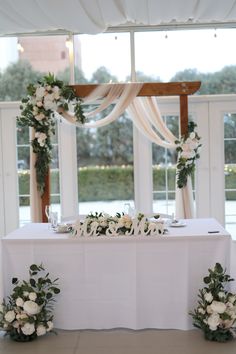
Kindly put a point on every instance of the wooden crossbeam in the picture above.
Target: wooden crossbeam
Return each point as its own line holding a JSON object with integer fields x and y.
{"x": 148, "y": 88}
{"x": 181, "y": 89}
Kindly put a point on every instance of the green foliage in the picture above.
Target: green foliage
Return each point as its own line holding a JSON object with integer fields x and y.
{"x": 15, "y": 80}
{"x": 188, "y": 149}
{"x": 102, "y": 75}
{"x": 216, "y": 312}
{"x": 38, "y": 111}
{"x": 28, "y": 312}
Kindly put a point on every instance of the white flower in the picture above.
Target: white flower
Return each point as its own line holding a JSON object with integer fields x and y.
{"x": 19, "y": 302}
{"x": 40, "y": 92}
{"x": 49, "y": 326}
{"x": 209, "y": 309}
{"x": 26, "y": 293}
{"x": 28, "y": 328}
{"x": 10, "y": 316}
{"x": 192, "y": 135}
{"x": 221, "y": 294}
{"x": 41, "y": 137}
{"x": 201, "y": 310}
{"x": 208, "y": 297}
{"x": 41, "y": 330}
{"x": 40, "y": 116}
{"x": 32, "y": 296}
{"x": 56, "y": 92}
{"x": 213, "y": 321}
{"x": 218, "y": 307}
{"x": 48, "y": 104}
{"x": 31, "y": 308}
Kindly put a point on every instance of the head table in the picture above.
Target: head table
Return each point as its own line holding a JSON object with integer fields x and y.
{"x": 126, "y": 281}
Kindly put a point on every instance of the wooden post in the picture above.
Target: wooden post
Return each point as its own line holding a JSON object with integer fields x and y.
{"x": 183, "y": 114}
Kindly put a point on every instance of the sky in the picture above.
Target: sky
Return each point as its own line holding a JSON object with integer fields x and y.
{"x": 158, "y": 54}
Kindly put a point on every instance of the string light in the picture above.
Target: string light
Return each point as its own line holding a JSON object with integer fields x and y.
{"x": 69, "y": 43}
{"x": 19, "y": 47}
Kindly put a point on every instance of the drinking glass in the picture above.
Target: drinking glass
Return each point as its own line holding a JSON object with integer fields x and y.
{"x": 48, "y": 212}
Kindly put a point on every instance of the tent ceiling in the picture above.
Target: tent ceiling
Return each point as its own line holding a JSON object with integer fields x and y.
{"x": 95, "y": 16}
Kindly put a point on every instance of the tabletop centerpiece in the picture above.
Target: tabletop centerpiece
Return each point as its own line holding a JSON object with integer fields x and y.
{"x": 28, "y": 312}
{"x": 215, "y": 314}
{"x": 121, "y": 224}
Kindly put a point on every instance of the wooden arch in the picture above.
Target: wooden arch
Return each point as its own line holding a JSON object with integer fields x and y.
{"x": 181, "y": 89}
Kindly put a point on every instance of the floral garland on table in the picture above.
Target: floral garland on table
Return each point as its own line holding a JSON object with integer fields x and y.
{"x": 28, "y": 313}
{"x": 188, "y": 148}
{"x": 99, "y": 224}
{"x": 216, "y": 311}
{"x": 38, "y": 109}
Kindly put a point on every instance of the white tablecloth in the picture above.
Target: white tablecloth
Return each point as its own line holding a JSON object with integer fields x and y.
{"x": 130, "y": 282}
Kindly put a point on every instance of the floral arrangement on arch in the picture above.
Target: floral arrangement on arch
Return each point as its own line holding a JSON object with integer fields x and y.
{"x": 188, "y": 148}
{"x": 215, "y": 314}
{"x": 28, "y": 313}
{"x": 38, "y": 109}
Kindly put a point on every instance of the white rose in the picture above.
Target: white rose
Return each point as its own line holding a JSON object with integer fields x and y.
{"x": 208, "y": 297}
{"x": 221, "y": 294}
{"x": 19, "y": 302}
{"x": 26, "y": 293}
{"x": 28, "y": 328}
{"x": 31, "y": 308}
{"x": 187, "y": 154}
{"x": 192, "y": 135}
{"x": 39, "y": 93}
{"x": 48, "y": 104}
{"x": 213, "y": 321}
{"x": 218, "y": 307}
{"x": 56, "y": 92}
{"x": 39, "y": 116}
{"x": 32, "y": 296}
{"x": 10, "y": 316}
{"x": 41, "y": 330}
{"x": 49, "y": 326}
{"x": 209, "y": 309}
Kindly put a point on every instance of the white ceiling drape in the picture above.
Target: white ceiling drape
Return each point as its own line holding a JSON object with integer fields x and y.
{"x": 95, "y": 16}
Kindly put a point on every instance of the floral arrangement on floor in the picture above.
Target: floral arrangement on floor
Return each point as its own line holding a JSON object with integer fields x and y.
{"x": 38, "y": 109}
{"x": 216, "y": 310}
{"x": 188, "y": 148}
{"x": 28, "y": 313}
{"x": 121, "y": 224}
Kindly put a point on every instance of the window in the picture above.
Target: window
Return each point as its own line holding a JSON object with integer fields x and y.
{"x": 230, "y": 171}
{"x": 163, "y": 169}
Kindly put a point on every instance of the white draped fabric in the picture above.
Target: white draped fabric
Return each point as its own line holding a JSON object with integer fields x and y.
{"x": 30, "y": 16}
{"x": 145, "y": 115}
